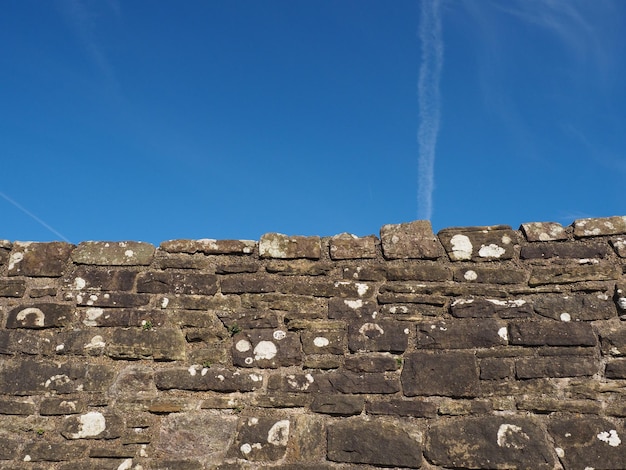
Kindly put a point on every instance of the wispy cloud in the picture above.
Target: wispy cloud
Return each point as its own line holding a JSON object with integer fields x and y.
{"x": 33, "y": 216}
{"x": 429, "y": 103}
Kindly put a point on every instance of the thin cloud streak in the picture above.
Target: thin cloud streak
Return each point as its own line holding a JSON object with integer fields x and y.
{"x": 33, "y": 216}
{"x": 429, "y": 104}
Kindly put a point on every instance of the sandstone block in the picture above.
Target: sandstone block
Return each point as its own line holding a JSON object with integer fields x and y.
{"x": 452, "y": 374}
{"x": 298, "y": 267}
{"x": 484, "y": 275}
{"x": 619, "y": 245}
{"x": 162, "y": 344}
{"x": 383, "y": 335}
{"x": 461, "y": 334}
{"x": 210, "y": 246}
{"x": 12, "y": 288}
{"x": 372, "y": 362}
{"x": 277, "y": 245}
{"x": 543, "y": 231}
{"x": 357, "y": 383}
{"x": 347, "y": 246}
{"x": 88, "y": 278}
{"x": 201, "y": 378}
{"x": 350, "y": 309}
{"x": 42, "y": 451}
{"x": 479, "y": 243}
{"x": 164, "y": 282}
{"x": 323, "y": 342}
{"x": 112, "y": 299}
{"x": 114, "y": 253}
{"x": 551, "y": 333}
{"x": 411, "y": 240}
{"x": 487, "y": 308}
{"x": 575, "y": 307}
{"x": 365, "y": 273}
{"x": 417, "y": 271}
{"x": 574, "y": 273}
{"x": 236, "y": 268}
{"x": 251, "y": 284}
{"x": 599, "y": 226}
{"x": 93, "y": 425}
{"x": 266, "y": 349}
{"x": 61, "y": 406}
{"x": 43, "y": 315}
{"x": 261, "y": 439}
{"x": 555, "y": 366}
{"x": 337, "y": 405}
{"x": 16, "y": 407}
{"x": 566, "y": 250}
{"x": 413, "y": 408}
{"x": 616, "y": 369}
{"x": 39, "y": 259}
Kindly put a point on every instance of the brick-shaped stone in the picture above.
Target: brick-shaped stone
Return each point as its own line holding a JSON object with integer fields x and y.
{"x": 555, "y": 367}
{"x": 568, "y": 274}
{"x": 357, "y": 383}
{"x": 201, "y": 378}
{"x": 487, "y": 243}
{"x": 114, "y": 253}
{"x": 210, "y": 246}
{"x": 266, "y": 349}
{"x": 39, "y": 259}
{"x": 160, "y": 344}
{"x": 88, "y": 278}
{"x": 461, "y": 334}
{"x": 277, "y": 245}
{"x": 382, "y": 335}
{"x": 410, "y": 240}
{"x": 112, "y": 299}
{"x": 93, "y": 425}
{"x": 489, "y": 442}
{"x": 351, "y": 309}
{"x": 619, "y": 245}
{"x": 41, "y": 315}
{"x": 565, "y": 250}
{"x": 484, "y": 275}
{"x": 417, "y": 271}
{"x": 323, "y": 342}
{"x": 551, "y": 333}
{"x": 164, "y": 282}
{"x": 348, "y": 246}
{"x": 337, "y": 405}
{"x": 12, "y": 288}
{"x": 576, "y": 307}
{"x": 453, "y": 374}
{"x": 599, "y": 227}
{"x": 616, "y": 369}
{"x": 488, "y": 308}
{"x": 372, "y": 362}
{"x": 261, "y": 438}
{"x": 417, "y": 408}
{"x": 543, "y": 231}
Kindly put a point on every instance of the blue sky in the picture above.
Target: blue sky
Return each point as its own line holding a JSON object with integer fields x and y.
{"x": 153, "y": 120}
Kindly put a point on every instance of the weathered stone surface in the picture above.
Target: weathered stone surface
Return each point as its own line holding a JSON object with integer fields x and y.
{"x": 365, "y": 273}
{"x": 543, "y": 231}
{"x": 452, "y": 374}
{"x": 164, "y": 282}
{"x": 41, "y": 451}
{"x": 124, "y": 317}
{"x": 307, "y": 443}
{"x": 222, "y": 303}
{"x": 163, "y": 260}
{"x": 613, "y": 338}
{"x": 210, "y": 246}
{"x": 417, "y": 271}
{"x": 236, "y": 268}
{"x": 479, "y": 243}
{"x": 576, "y": 307}
{"x": 413, "y": 408}
{"x": 411, "y": 240}
{"x": 559, "y": 366}
{"x": 372, "y": 362}
{"x": 487, "y": 308}
{"x": 588, "y": 442}
{"x": 43, "y": 315}
{"x": 337, "y": 405}
{"x": 266, "y": 349}
{"x": 16, "y": 407}
{"x": 277, "y": 245}
{"x": 201, "y": 378}
{"x": 461, "y": 334}
{"x": 490, "y": 275}
{"x": 572, "y": 273}
{"x": 196, "y": 434}
{"x": 619, "y": 245}
{"x": 349, "y": 309}
{"x": 112, "y": 299}
{"x": 564, "y": 250}
{"x": 383, "y": 335}
{"x": 134, "y": 381}
{"x": 12, "y": 288}
{"x": 88, "y": 278}
{"x": 323, "y": 342}
{"x": 351, "y": 382}
{"x": 546, "y": 405}
{"x": 261, "y": 439}
{"x": 374, "y": 442}
{"x": 162, "y": 344}
{"x": 251, "y": 284}
{"x": 298, "y": 267}
{"x": 39, "y": 259}
{"x": 36, "y": 293}
{"x": 61, "y": 406}
{"x": 616, "y": 369}
{"x": 93, "y": 425}
{"x": 496, "y": 368}
{"x": 114, "y": 253}
{"x": 549, "y": 333}
{"x": 9, "y": 446}
{"x": 348, "y": 246}
{"x": 490, "y": 443}
{"x": 599, "y": 226}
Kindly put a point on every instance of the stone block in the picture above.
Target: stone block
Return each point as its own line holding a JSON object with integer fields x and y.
{"x": 266, "y": 349}
{"x": 277, "y": 245}
{"x": 383, "y": 335}
{"x": 585, "y": 441}
{"x": 114, "y": 253}
{"x": 41, "y": 315}
{"x": 372, "y": 362}
{"x": 165, "y": 282}
{"x": 453, "y": 374}
{"x": 485, "y": 275}
{"x": 199, "y": 261}
{"x": 236, "y": 268}
{"x": 487, "y": 243}
{"x": 223, "y": 303}
{"x": 575, "y": 306}
{"x": 348, "y": 246}
{"x": 599, "y": 227}
{"x": 112, "y": 299}
{"x": 365, "y": 273}
{"x": 555, "y": 367}
{"x": 488, "y": 308}
{"x": 613, "y": 338}
{"x": 397, "y": 407}
{"x": 565, "y": 250}
{"x": 9, "y": 447}
{"x": 543, "y": 231}
{"x": 17, "y": 407}
{"x": 373, "y": 442}
{"x": 298, "y": 267}
{"x": 496, "y": 368}
{"x": 12, "y": 288}
{"x": 90, "y": 278}
{"x": 93, "y": 425}
{"x": 39, "y": 259}
{"x": 323, "y": 342}
{"x": 337, "y": 405}
{"x": 616, "y": 369}
{"x": 251, "y": 284}
{"x": 261, "y": 439}
{"x": 350, "y": 309}
{"x": 461, "y": 334}
{"x": 417, "y": 271}
{"x": 489, "y": 442}
{"x": 413, "y": 240}
{"x": 619, "y": 245}
{"x": 122, "y": 317}
{"x": 551, "y": 333}
{"x": 162, "y": 344}
{"x": 358, "y": 383}
{"x": 572, "y": 273}
{"x": 307, "y": 443}
{"x": 42, "y": 451}
{"x": 210, "y": 246}
{"x": 293, "y": 306}
{"x": 135, "y": 382}
{"x": 61, "y": 406}
{"x": 200, "y": 378}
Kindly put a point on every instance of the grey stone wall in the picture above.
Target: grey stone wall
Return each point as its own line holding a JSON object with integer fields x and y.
{"x": 476, "y": 348}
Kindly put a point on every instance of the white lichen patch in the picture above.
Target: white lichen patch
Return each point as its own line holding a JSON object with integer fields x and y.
{"x": 245, "y": 448}
{"x": 59, "y": 347}
{"x": 503, "y": 333}
{"x": 273, "y": 246}
{"x": 90, "y": 425}
{"x": 278, "y": 434}
{"x": 491, "y": 251}
{"x": 506, "y": 239}
{"x": 248, "y": 360}
{"x": 165, "y": 302}
{"x": 560, "y": 452}
{"x": 14, "y": 259}
{"x": 79, "y": 283}
{"x": 371, "y": 327}
{"x": 565, "y": 317}
{"x": 57, "y": 380}
{"x": 129, "y": 253}
{"x": 96, "y": 342}
{"x": 40, "y": 317}
{"x": 125, "y": 465}
{"x": 398, "y": 309}
{"x": 279, "y": 334}
{"x": 92, "y": 315}
{"x": 354, "y": 304}
{"x": 461, "y": 247}
{"x": 462, "y": 302}
{"x": 243, "y": 345}
{"x": 507, "y": 303}
{"x": 470, "y": 275}
{"x": 256, "y": 377}
{"x": 265, "y": 350}
{"x": 621, "y": 302}
{"x": 320, "y": 342}
{"x": 192, "y": 370}
{"x": 611, "y": 438}
{"x": 27, "y": 458}
{"x": 510, "y": 435}
{"x": 361, "y": 289}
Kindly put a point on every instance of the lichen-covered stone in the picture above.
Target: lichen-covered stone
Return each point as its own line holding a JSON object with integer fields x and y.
{"x": 261, "y": 438}
{"x": 161, "y": 344}
{"x": 461, "y": 334}
{"x": 619, "y": 245}
{"x": 12, "y": 288}
{"x": 42, "y": 451}
{"x": 549, "y": 333}
{"x": 487, "y": 243}
{"x": 114, "y": 253}
{"x": 277, "y": 245}
{"x": 160, "y": 282}
{"x": 39, "y": 259}
{"x": 566, "y": 250}
{"x": 93, "y": 425}
{"x": 350, "y": 309}
{"x": 417, "y": 271}
{"x": 199, "y": 377}
{"x": 373, "y": 442}
{"x": 575, "y": 307}
{"x": 337, "y": 405}
{"x": 416, "y": 408}
{"x": 378, "y": 335}
{"x": 86, "y": 278}
{"x": 210, "y": 246}
{"x": 41, "y": 315}
{"x": 555, "y": 366}
{"x": 61, "y": 406}
{"x": 543, "y": 231}
{"x": 266, "y": 349}
{"x": 452, "y": 374}
{"x": 573, "y": 273}
{"x": 599, "y": 226}
{"x": 487, "y": 308}
{"x": 348, "y": 246}
{"x": 489, "y": 442}
{"x": 489, "y": 275}
{"x": 410, "y": 240}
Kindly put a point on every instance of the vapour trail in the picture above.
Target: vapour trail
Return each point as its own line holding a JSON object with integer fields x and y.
{"x": 33, "y": 216}
{"x": 429, "y": 104}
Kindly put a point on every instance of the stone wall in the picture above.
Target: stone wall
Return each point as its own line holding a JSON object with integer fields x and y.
{"x": 476, "y": 348}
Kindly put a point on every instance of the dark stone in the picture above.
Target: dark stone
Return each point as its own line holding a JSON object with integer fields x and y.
{"x": 293, "y": 306}
{"x": 165, "y": 260}
{"x": 236, "y": 268}
{"x": 16, "y": 407}
{"x": 12, "y": 288}
{"x": 384, "y": 335}
{"x": 347, "y": 246}
{"x": 250, "y": 319}
{"x": 412, "y": 408}
{"x": 164, "y": 282}
{"x": 365, "y": 273}
{"x": 256, "y": 284}
{"x": 101, "y": 279}
{"x": 489, "y": 442}
{"x": 113, "y": 299}
{"x": 373, "y": 442}
{"x": 36, "y": 293}
{"x": 124, "y": 317}
{"x": 479, "y": 243}
{"x": 210, "y": 246}
{"x": 114, "y": 253}
{"x": 461, "y": 334}
{"x": 9, "y": 447}
{"x": 437, "y": 294}
{"x": 488, "y": 308}
{"x": 543, "y": 231}
{"x": 337, "y": 405}
{"x": 261, "y": 439}
{"x": 551, "y": 333}
{"x": 568, "y": 274}
{"x": 42, "y": 451}
{"x": 576, "y": 307}
{"x": 134, "y": 381}
{"x": 613, "y": 339}
{"x": 555, "y": 366}
{"x": 349, "y": 309}
{"x": 452, "y": 374}
{"x": 43, "y": 315}
{"x": 298, "y": 267}
{"x": 372, "y": 363}
{"x": 414, "y": 240}
{"x": 496, "y": 368}
{"x": 222, "y": 303}
{"x": 276, "y": 245}
{"x": 564, "y": 250}
{"x": 61, "y": 406}
{"x": 357, "y": 383}
{"x": 93, "y": 425}
{"x": 39, "y": 259}
{"x": 418, "y": 271}
{"x": 589, "y": 441}
{"x": 162, "y": 344}
{"x": 619, "y": 245}
{"x": 323, "y": 342}
{"x": 616, "y": 369}
{"x": 199, "y": 378}
{"x": 488, "y": 275}
{"x": 266, "y": 349}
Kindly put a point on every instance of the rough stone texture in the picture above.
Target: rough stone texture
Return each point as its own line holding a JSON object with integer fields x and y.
{"x": 318, "y": 353}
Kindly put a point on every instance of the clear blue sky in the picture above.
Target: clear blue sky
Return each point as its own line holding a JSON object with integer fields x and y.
{"x": 154, "y": 120}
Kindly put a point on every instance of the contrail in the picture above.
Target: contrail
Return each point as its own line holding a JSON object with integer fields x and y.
{"x": 429, "y": 104}
{"x": 33, "y": 216}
